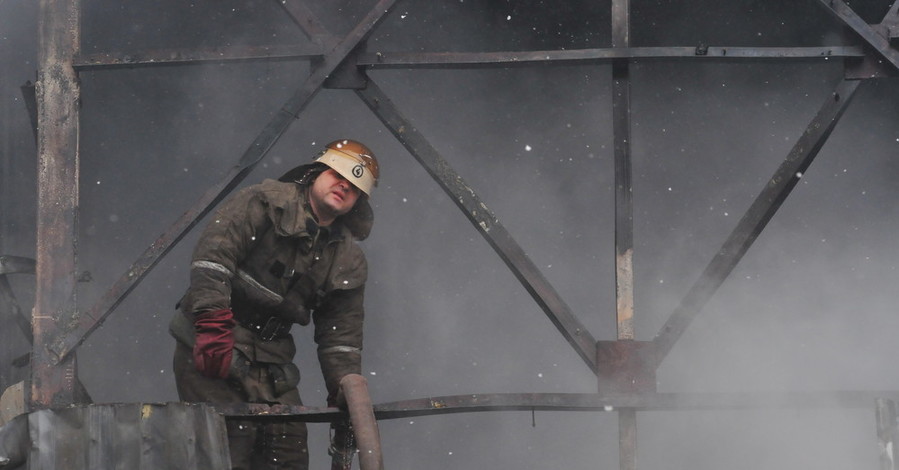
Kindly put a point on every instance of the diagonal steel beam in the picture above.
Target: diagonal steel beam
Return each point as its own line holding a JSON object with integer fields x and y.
{"x": 29, "y": 95}
{"x": 10, "y": 309}
{"x": 756, "y": 217}
{"x": 484, "y": 221}
{"x": 306, "y": 20}
{"x": 892, "y": 16}
{"x": 16, "y": 264}
{"x": 11, "y": 265}
{"x": 868, "y": 33}
{"x": 92, "y": 319}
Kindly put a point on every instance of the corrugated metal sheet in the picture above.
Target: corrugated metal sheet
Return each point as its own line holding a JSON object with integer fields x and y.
{"x": 131, "y": 436}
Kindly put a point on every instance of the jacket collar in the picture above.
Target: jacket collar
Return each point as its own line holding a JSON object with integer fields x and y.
{"x": 291, "y": 215}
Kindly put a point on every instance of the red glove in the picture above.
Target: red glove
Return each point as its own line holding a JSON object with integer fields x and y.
{"x": 215, "y": 340}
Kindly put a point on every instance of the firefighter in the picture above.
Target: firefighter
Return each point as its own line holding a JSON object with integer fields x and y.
{"x": 278, "y": 253}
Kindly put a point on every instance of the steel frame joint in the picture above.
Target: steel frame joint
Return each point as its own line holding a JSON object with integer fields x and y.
{"x": 626, "y": 366}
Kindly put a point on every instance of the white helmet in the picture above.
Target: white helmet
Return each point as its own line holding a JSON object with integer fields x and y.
{"x": 354, "y": 161}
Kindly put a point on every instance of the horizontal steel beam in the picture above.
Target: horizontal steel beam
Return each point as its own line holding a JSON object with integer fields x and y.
{"x": 505, "y": 59}
{"x": 16, "y": 264}
{"x": 458, "y": 59}
{"x": 195, "y": 55}
{"x": 472, "y": 403}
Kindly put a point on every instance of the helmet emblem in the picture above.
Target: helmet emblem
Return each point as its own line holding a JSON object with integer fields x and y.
{"x": 357, "y": 171}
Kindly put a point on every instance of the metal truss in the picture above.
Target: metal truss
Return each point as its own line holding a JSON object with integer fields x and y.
{"x": 625, "y": 368}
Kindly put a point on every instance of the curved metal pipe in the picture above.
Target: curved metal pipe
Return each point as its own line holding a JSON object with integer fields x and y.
{"x": 365, "y": 426}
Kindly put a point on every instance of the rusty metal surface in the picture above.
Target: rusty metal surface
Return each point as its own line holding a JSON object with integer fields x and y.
{"x": 376, "y": 59}
{"x": 128, "y": 436}
{"x": 757, "y": 216}
{"x": 626, "y": 366}
{"x": 93, "y": 318}
{"x": 624, "y": 186}
{"x": 58, "y": 93}
{"x": 484, "y": 222}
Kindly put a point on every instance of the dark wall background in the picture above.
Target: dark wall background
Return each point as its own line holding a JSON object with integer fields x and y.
{"x": 810, "y": 308}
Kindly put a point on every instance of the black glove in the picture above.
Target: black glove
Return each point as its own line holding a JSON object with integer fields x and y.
{"x": 343, "y": 444}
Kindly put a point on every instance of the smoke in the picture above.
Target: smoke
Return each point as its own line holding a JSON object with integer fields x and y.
{"x": 808, "y": 309}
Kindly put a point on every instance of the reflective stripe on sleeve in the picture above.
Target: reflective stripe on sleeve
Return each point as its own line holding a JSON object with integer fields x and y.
{"x": 346, "y": 349}
{"x": 211, "y": 265}
{"x": 274, "y": 296}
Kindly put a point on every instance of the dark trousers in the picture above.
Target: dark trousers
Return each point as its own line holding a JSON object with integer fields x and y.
{"x": 254, "y": 444}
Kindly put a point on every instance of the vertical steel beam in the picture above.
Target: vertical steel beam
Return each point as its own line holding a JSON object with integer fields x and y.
{"x": 624, "y": 218}
{"x": 757, "y": 216}
{"x": 624, "y": 205}
{"x": 627, "y": 439}
{"x": 58, "y": 95}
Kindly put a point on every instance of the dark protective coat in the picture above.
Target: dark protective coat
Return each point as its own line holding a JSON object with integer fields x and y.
{"x": 263, "y": 255}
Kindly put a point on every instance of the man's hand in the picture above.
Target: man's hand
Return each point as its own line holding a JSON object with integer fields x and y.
{"x": 215, "y": 342}
{"x": 343, "y": 445}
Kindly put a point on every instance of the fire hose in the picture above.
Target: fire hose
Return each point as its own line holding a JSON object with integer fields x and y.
{"x": 354, "y": 390}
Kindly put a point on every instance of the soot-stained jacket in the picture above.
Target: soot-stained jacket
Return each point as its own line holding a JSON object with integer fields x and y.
{"x": 263, "y": 255}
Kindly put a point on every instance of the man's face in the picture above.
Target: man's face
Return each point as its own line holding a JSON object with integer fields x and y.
{"x": 332, "y": 195}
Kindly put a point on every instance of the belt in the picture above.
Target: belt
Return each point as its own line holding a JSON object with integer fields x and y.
{"x": 267, "y": 328}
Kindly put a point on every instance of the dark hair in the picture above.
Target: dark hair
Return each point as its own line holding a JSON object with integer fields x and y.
{"x": 304, "y": 175}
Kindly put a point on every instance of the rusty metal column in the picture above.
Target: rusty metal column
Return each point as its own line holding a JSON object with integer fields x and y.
{"x": 58, "y": 95}
{"x": 624, "y": 217}
{"x": 624, "y": 205}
